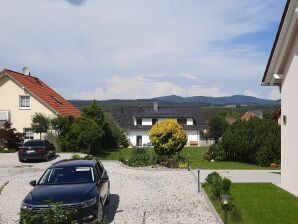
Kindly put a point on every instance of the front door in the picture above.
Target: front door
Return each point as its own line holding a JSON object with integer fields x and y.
{"x": 139, "y": 140}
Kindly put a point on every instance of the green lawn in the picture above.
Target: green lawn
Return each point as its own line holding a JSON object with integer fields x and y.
{"x": 262, "y": 203}
{"x": 196, "y": 158}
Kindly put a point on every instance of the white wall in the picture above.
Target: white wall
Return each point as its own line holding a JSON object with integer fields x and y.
{"x": 132, "y": 136}
{"x": 289, "y": 131}
{"x": 9, "y": 100}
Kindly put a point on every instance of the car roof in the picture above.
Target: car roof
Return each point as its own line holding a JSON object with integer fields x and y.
{"x": 71, "y": 163}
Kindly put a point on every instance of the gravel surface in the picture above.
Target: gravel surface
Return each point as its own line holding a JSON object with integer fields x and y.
{"x": 141, "y": 196}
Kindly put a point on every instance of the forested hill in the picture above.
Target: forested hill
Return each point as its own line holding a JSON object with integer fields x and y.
{"x": 110, "y": 105}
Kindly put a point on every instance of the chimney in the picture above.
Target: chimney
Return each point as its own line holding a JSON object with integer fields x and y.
{"x": 26, "y": 71}
{"x": 155, "y": 106}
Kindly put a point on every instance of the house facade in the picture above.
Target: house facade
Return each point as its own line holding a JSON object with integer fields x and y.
{"x": 138, "y": 120}
{"x": 282, "y": 71}
{"x": 23, "y": 95}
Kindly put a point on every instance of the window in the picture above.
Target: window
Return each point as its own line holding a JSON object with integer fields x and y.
{"x": 154, "y": 121}
{"x": 25, "y": 102}
{"x": 139, "y": 121}
{"x": 28, "y": 133}
{"x": 182, "y": 121}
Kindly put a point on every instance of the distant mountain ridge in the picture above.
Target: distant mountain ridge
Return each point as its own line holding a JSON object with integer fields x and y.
{"x": 225, "y": 100}
{"x": 113, "y": 104}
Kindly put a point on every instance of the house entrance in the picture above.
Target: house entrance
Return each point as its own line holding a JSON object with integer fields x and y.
{"x": 139, "y": 140}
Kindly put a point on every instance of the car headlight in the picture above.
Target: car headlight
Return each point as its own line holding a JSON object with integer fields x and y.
{"x": 25, "y": 206}
{"x": 88, "y": 203}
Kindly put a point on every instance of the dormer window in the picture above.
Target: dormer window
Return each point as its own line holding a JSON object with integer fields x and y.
{"x": 139, "y": 121}
{"x": 25, "y": 102}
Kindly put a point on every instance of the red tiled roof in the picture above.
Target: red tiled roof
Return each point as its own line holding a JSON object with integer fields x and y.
{"x": 44, "y": 93}
{"x": 247, "y": 116}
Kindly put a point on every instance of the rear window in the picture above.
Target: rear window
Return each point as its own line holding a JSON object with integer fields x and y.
{"x": 34, "y": 143}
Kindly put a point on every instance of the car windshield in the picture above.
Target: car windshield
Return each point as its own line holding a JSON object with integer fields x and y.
{"x": 34, "y": 143}
{"x": 67, "y": 175}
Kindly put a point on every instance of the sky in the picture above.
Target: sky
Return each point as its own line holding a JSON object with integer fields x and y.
{"x": 116, "y": 49}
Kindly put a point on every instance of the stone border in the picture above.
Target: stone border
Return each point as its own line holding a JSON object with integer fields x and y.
{"x": 213, "y": 210}
{"x": 209, "y": 203}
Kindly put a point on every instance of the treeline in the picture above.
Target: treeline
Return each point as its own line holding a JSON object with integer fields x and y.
{"x": 92, "y": 132}
{"x": 254, "y": 141}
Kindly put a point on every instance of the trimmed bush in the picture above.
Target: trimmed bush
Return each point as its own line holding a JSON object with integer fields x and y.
{"x": 167, "y": 137}
{"x": 210, "y": 176}
{"x": 226, "y": 184}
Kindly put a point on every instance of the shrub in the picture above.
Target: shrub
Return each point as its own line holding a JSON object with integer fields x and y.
{"x": 55, "y": 215}
{"x": 9, "y": 138}
{"x": 214, "y": 152}
{"x": 75, "y": 156}
{"x": 226, "y": 184}
{"x": 167, "y": 137}
{"x": 255, "y": 141}
{"x": 216, "y": 186}
{"x": 140, "y": 157}
{"x": 235, "y": 214}
{"x": 210, "y": 176}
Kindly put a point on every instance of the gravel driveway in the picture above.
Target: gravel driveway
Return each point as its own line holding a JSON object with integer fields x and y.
{"x": 137, "y": 195}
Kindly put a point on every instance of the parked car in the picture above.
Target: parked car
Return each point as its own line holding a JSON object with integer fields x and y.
{"x": 36, "y": 149}
{"x": 82, "y": 186}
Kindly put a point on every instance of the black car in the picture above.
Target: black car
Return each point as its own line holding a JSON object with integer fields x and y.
{"x": 36, "y": 149}
{"x": 83, "y": 186}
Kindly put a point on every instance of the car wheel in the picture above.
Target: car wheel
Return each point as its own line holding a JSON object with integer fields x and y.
{"x": 100, "y": 212}
{"x": 21, "y": 160}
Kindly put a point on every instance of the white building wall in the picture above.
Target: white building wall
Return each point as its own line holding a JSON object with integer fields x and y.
{"x": 146, "y": 121}
{"x": 289, "y": 130}
{"x": 132, "y": 136}
{"x": 9, "y": 100}
{"x": 193, "y": 136}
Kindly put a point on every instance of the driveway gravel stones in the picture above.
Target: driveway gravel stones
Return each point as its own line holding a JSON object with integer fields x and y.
{"x": 141, "y": 196}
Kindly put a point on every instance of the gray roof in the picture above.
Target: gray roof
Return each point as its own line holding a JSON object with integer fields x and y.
{"x": 125, "y": 116}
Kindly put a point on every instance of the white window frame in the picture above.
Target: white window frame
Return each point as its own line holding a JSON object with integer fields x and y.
{"x": 27, "y": 105}
{"x": 28, "y": 133}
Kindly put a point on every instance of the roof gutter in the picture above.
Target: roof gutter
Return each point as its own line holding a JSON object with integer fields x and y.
{"x": 277, "y": 38}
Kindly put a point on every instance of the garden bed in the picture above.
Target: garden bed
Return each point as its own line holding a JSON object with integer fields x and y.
{"x": 260, "y": 203}
{"x": 196, "y": 158}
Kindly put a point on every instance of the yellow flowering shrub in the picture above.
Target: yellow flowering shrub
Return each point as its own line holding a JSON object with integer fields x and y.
{"x": 167, "y": 137}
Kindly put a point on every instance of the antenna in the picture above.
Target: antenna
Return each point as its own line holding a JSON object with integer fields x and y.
{"x": 26, "y": 71}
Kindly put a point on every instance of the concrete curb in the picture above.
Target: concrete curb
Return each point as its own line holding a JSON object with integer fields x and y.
{"x": 213, "y": 210}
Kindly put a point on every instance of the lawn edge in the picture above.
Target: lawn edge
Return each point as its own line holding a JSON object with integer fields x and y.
{"x": 209, "y": 203}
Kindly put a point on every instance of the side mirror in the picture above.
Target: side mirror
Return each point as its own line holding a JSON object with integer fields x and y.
{"x": 33, "y": 183}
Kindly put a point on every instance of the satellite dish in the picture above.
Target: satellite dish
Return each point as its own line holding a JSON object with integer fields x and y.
{"x": 26, "y": 71}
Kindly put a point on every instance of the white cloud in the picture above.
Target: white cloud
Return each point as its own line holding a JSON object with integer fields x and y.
{"x": 252, "y": 93}
{"x": 188, "y": 76}
{"x": 179, "y": 43}
{"x": 133, "y": 88}
{"x": 274, "y": 94}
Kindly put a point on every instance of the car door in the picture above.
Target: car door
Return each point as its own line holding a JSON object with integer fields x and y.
{"x": 101, "y": 186}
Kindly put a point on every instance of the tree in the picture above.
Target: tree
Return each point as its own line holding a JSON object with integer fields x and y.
{"x": 254, "y": 141}
{"x": 216, "y": 127}
{"x": 9, "y": 138}
{"x": 40, "y": 123}
{"x": 167, "y": 137}
{"x": 84, "y": 135}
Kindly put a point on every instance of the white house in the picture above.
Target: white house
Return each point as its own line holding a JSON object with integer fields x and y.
{"x": 23, "y": 95}
{"x": 282, "y": 71}
{"x": 138, "y": 120}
